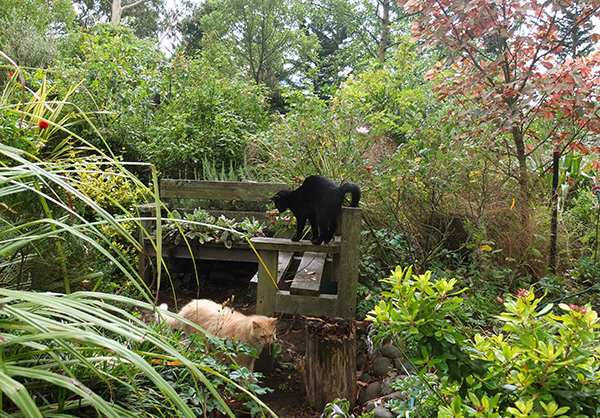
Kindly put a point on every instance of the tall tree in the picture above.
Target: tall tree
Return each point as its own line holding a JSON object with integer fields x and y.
{"x": 577, "y": 37}
{"x": 190, "y": 26}
{"x": 504, "y": 73}
{"x": 117, "y": 9}
{"x": 146, "y": 15}
{"x": 256, "y": 36}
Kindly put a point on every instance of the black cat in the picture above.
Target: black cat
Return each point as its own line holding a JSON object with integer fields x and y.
{"x": 318, "y": 200}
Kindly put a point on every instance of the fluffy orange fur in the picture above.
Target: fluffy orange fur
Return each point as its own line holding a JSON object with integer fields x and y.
{"x": 224, "y": 322}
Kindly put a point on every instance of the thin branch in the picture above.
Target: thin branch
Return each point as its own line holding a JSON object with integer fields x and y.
{"x": 129, "y": 6}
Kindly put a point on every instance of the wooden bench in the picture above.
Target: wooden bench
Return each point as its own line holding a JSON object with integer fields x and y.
{"x": 292, "y": 277}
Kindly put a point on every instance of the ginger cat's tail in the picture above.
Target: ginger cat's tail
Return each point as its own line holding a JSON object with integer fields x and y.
{"x": 173, "y": 323}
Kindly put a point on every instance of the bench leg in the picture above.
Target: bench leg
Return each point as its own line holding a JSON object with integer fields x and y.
{"x": 266, "y": 290}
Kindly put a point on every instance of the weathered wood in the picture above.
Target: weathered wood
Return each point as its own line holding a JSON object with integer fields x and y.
{"x": 277, "y": 253}
{"x": 219, "y": 190}
{"x": 283, "y": 264}
{"x": 330, "y": 368}
{"x": 266, "y": 289}
{"x": 287, "y": 245}
{"x": 240, "y": 252}
{"x": 307, "y": 280}
{"x": 305, "y": 305}
{"x": 348, "y": 262}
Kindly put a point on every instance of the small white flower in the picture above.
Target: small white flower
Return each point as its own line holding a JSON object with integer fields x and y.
{"x": 362, "y": 130}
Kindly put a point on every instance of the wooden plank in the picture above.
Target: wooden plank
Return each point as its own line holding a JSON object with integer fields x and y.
{"x": 219, "y": 190}
{"x": 283, "y": 264}
{"x": 287, "y": 245}
{"x": 307, "y": 280}
{"x": 348, "y": 262}
{"x": 266, "y": 289}
{"x": 305, "y": 305}
{"x": 210, "y": 251}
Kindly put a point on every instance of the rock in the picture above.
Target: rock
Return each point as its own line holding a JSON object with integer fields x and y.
{"x": 394, "y": 395}
{"x": 371, "y": 355}
{"x": 360, "y": 360}
{"x": 365, "y": 377}
{"x": 386, "y": 386}
{"x": 382, "y": 412}
{"x": 390, "y": 351}
{"x": 372, "y": 391}
{"x": 370, "y": 406}
{"x": 382, "y": 366}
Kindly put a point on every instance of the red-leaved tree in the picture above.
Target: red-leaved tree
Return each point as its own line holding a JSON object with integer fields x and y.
{"x": 506, "y": 73}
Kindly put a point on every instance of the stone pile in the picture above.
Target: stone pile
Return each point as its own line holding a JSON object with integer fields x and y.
{"x": 380, "y": 368}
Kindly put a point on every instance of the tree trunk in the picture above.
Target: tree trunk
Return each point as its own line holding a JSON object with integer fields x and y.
{"x": 118, "y": 9}
{"x": 385, "y": 30}
{"x": 115, "y": 17}
{"x": 523, "y": 172}
{"x": 330, "y": 369}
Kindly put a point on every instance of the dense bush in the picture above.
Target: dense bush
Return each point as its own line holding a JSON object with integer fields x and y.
{"x": 175, "y": 114}
{"x": 202, "y": 118}
{"x": 543, "y": 364}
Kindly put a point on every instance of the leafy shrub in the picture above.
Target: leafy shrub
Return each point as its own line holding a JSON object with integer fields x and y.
{"x": 544, "y": 364}
{"x": 202, "y": 117}
{"x": 313, "y": 139}
{"x": 421, "y": 398}
{"x": 83, "y": 355}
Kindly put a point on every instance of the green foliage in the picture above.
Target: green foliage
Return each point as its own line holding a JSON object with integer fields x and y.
{"x": 30, "y": 29}
{"x": 312, "y": 139}
{"x": 257, "y": 36}
{"x": 201, "y": 226}
{"x": 82, "y": 355}
{"x": 421, "y": 400}
{"x": 179, "y": 115}
{"x": 416, "y": 311}
{"x": 121, "y": 76}
{"x": 391, "y": 99}
{"x": 204, "y": 118}
{"x": 382, "y": 249}
{"x": 543, "y": 364}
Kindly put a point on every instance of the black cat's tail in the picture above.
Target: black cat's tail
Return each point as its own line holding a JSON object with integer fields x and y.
{"x": 353, "y": 188}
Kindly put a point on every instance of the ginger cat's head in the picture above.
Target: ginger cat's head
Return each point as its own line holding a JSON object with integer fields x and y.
{"x": 263, "y": 330}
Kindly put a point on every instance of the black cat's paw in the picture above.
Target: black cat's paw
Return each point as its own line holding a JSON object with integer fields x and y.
{"x": 295, "y": 238}
{"x": 317, "y": 241}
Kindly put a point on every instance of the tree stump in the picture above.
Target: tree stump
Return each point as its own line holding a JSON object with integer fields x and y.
{"x": 330, "y": 367}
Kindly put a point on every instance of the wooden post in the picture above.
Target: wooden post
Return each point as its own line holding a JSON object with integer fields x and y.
{"x": 330, "y": 369}
{"x": 266, "y": 288}
{"x": 265, "y": 301}
{"x": 348, "y": 262}
{"x": 144, "y": 264}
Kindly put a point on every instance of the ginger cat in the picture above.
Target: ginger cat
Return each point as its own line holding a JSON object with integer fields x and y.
{"x": 224, "y": 322}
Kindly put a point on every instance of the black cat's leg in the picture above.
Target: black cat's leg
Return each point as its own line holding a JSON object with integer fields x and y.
{"x": 319, "y": 234}
{"x": 330, "y": 231}
{"x": 314, "y": 227}
{"x": 299, "y": 229}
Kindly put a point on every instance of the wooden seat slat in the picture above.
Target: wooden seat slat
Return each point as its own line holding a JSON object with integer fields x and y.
{"x": 307, "y": 280}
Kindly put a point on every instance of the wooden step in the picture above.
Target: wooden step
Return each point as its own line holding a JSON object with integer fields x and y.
{"x": 307, "y": 280}
{"x": 283, "y": 265}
